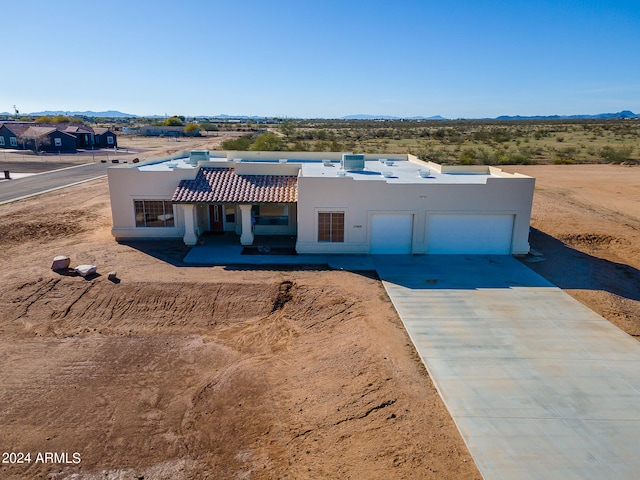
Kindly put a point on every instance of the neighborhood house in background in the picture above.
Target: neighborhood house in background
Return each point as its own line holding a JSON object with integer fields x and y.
{"x": 331, "y": 202}
{"x": 60, "y": 137}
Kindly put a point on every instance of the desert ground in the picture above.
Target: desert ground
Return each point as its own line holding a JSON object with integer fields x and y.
{"x": 177, "y": 372}
{"x": 586, "y": 222}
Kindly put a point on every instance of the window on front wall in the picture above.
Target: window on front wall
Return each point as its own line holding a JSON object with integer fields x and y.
{"x": 109, "y": 140}
{"x": 57, "y": 142}
{"x": 230, "y": 213}
{"x": 331, "y": 226}
{"x": 270, "y": 214}
{"x": 1, "y": 141}
{"x": 154, "y": 213}
{"x": 13, "y": 141}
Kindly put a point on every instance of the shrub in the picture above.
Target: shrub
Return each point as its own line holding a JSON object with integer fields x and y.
{"x": 562, "y": 161}
{"x": 468, "y": 157}
{"x": 616, "y": 155}
{"x": 241, "y": 143}
{"x": 268, "y": 141}
{"x": 192, "y": 130}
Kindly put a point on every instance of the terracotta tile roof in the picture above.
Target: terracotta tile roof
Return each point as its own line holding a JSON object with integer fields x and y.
{"x": 213, "y": 185}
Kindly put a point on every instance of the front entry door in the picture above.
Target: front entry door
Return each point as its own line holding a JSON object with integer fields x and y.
{"x": 215, "y": 218}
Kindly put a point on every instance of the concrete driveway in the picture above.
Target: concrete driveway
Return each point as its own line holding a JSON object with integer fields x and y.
{"x": 538, "y": 385}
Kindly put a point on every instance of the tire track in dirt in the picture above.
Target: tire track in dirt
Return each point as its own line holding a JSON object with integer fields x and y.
{"x": 140, "y": 376}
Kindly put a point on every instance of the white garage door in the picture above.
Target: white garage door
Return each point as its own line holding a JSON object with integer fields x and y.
{"x": 391, "y": 233}
{"x": 487, "y": 234}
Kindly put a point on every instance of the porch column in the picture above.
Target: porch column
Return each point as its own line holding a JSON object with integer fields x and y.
{"x": 190, "y": 236}
{"x": 246, "y": 238}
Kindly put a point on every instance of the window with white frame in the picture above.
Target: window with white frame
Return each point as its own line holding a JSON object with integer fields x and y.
{"x": 13, "y": 141}
{"x": 109, "y": 140}
{"x": 330, "y": 226}
{"x": 154, "y": 213}
{"x": 1, "y": 141}
{"x": 57, "y": 142}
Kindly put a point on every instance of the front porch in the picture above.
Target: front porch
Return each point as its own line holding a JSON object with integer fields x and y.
{"x": 224, "y": 249}
{"x": 266, "y": 243}
{"x": 219, "y": 200}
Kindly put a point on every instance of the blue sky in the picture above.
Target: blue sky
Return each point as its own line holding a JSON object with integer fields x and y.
{"x": 465, "y": 58}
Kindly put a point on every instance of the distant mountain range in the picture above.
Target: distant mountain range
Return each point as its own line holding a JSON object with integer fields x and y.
{"x": 116, "y": 114}
{"x": 363, "y": 116}
{"x": 600, "y": 116}
{"x": 89, "y": 113}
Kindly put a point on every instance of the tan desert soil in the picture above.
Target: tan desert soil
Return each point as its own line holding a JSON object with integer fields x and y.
{"x": 185, "y": 373}
{"x": 586, "y": 221}
{"x": 181, "y": 372}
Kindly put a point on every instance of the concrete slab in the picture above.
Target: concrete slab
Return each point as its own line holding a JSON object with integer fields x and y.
{"x": 223, "y": 254}
{"x": 538, "y": 385}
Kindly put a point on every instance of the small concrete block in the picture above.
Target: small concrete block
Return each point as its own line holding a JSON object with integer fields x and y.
{"x": 112, "y": 275}
{"x": 534, "y": 259}
{"x": 60, "y": 262}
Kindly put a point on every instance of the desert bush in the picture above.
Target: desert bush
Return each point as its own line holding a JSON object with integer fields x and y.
{"x": 565, "y": 155}
{"x": 468, "y": 157}
{"x": 269, "y": 142}
{"x": 616, "y": 155}
{"x": 174, "y": 121}
{"x": 437, "y": 156}
{"x": 192, "y": 130}
{"x": 562, "y": 161}
{"x": 240, "y": 143}
{"x": 518, "y": 158}
{"x": 209, "y": 127}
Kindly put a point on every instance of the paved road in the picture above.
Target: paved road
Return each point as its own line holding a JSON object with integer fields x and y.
{"x": 538, "y": 385}
{"x": 44, "y": 182}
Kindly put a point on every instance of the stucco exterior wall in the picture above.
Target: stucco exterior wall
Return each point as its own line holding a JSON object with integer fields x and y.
{"x": 360, "y": 199}
{"x": 127, "y": 184}
{"x": 500, "y": 194}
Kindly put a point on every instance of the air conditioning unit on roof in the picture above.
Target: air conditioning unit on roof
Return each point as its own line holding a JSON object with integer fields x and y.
{"x": 352, "y": 161}
{"x": 196, "y": 156}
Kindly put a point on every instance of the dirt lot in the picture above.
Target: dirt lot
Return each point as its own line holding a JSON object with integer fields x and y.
{"x": 183, "y": 372}
{"x": 586, "y": 221}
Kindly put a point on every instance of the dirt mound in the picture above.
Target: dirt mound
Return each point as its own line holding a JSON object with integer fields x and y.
{"x": 281, "y": 378}
{"x": 17, "y": 229}
{"x": 591, "y": 240}
{"x": 72, "y": 306}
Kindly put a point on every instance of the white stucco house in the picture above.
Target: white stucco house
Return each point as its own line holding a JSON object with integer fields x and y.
{"x": 331, "y": 202}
